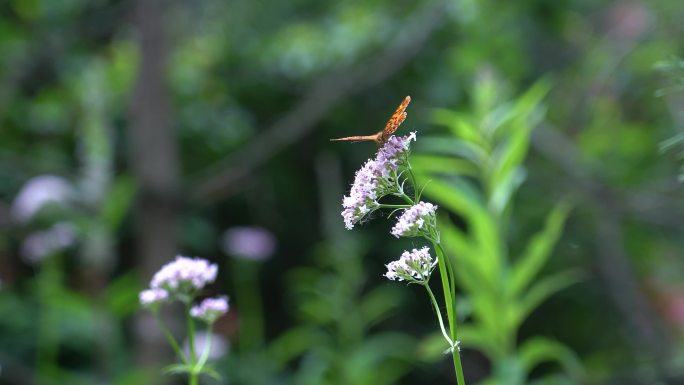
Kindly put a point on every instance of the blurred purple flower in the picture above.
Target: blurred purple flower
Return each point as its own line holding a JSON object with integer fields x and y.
{"x": 153, "y": 297}
{"x": 38, "y": 191}
{"x": 253, "y": 243}
{"x": 42, "y": 244}
{"x": 210, "y": 309}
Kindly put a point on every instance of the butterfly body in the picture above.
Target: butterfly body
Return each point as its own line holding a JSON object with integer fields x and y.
{"x": 383, "y": 136}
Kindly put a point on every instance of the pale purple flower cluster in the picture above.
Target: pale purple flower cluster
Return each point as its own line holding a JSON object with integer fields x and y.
{"x": 41, "y": 244}
{"x": 375, "y": 179}
{"x": 395, "y": 151}
{"x": 185, "y": 275}
{"x": 38, "y": 192}
{"x": 153, "y": 297}
{"x": 210, "y": 309}
{"x": 414, "y": 266}
{"x": 417, "y": 220}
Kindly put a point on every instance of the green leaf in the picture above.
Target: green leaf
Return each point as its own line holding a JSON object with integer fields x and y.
{"x": 504, "y": 189}
{"x": 118, "y": 201}
{"x": 293, "y": 343}
{"x": 472, "y": 336}
{"x": 176, "y": 369}
{"x": 539, "y": 349}
{"x": 443, "y": 164}
{"x": 542, "y": 290}
{"x": 538, "y": 250}
{"x": 378, "y": 304}
{"x": 121, "y": 297}
{"x": 380, "y": 359}
{"x": 446, "y": 145}
{"x": 461, "y": 125}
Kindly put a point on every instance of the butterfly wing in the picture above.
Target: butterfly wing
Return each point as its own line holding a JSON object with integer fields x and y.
{"x": 395, "y": 121}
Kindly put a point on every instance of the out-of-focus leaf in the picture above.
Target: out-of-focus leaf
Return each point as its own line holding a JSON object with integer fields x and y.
{"x": 442, "y": 164}
{"x": 118, "y": 201}
{"x": 504, "y": 189}
{"x": 176, "y": 369}
{"x": 378, "y": 304}
{"x": 461, "y": 125}
{"x": 137, "y": 376}
{"x": 474, "y": 337}
{"x": 375, "y": 360}
{"x": 539, "y": 349}
{"x": 294, "y": 342}
{"x": 538, "y": 250}
{"x": 444, "y": 145}
{"x": 542, "y": 290}
{"x": 431, "y": 347}
{"x": 121, "y": 297}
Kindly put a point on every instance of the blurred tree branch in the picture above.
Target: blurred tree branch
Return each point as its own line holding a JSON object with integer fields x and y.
{"x": 154, "y": 162}
{"x": 220, "y": 180}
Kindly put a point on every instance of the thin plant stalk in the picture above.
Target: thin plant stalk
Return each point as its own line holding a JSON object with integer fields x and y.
{"x": 193, "y": 375}
{"x": 439, "y": 314}
{"x": 170, "y": 339}
{"x": 449, "y": 299}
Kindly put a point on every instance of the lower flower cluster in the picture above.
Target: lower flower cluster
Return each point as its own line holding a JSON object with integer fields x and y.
{"x": 182, "y": 280}
{"x": 414, "y": 266}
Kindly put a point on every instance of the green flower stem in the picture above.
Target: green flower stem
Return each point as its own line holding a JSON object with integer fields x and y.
{"x": 193, "y": 375}
{"x": 416, "y": 197}
{"x": 439, "y": 314}
{"x": 169, "y": 337}
{"x": 207, "y": 349}
{"x": 449, "y": 297}
{"x": 405, "y": 198}
{"x": 384, "y": 206}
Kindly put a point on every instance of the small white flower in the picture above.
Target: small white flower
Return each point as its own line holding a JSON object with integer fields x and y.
{"x": 414, "y": 266}
{"x": 417, "y": 220}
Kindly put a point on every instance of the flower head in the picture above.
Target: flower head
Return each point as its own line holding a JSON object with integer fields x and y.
{"x": 395, "y": 151}
{"x": 210, "y": 309}
{"x": 414, "y": 266}
{"x": 253, "y": 243}
{"x": 151, "y": 298}
{"x": 417, "y": 220}
{"x": 42, "y": 244}
{"x": 38, "y": 192}
{"x": 377, "y": 178}
{"x": 184, "y": 275}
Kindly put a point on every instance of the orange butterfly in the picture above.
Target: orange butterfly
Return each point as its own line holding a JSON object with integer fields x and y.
{"x": 381, "y": 137}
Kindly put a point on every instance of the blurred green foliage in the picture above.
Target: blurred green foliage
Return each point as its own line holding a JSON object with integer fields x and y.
{"x": 256, "y": 90}
{"x": 492, "y": 138}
